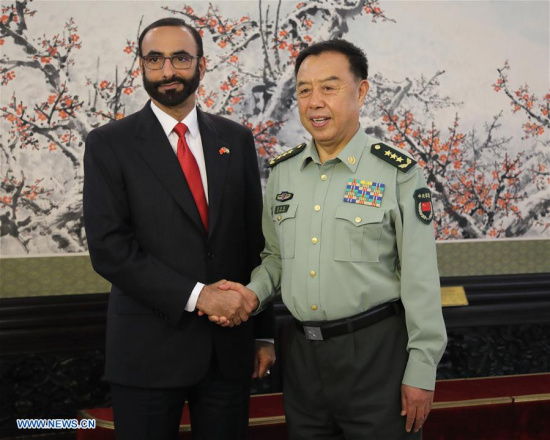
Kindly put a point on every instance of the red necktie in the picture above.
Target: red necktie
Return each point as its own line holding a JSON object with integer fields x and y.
{"x": 192, "y": 173}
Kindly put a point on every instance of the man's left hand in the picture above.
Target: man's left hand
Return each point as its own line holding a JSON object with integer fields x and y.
{"x": 416, "y": 404}
{"x": 264, "y": 358}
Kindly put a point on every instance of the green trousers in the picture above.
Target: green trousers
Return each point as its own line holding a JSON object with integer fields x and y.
{"x": 347, "y": 387}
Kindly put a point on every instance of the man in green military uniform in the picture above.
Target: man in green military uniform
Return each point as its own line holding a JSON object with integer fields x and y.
{"x": 350, "y": 245}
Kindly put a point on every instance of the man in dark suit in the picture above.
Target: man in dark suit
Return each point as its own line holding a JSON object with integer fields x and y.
{"x": 172, "y": 203}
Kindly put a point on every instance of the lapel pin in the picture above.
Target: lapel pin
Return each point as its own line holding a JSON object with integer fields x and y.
{"x": 224, "y": 150}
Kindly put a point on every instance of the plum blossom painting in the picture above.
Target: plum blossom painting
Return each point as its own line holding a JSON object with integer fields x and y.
{"x": 463, "y": 86}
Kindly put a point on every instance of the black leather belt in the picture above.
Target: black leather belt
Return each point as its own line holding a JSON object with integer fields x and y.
{"x": 323, "y": 330}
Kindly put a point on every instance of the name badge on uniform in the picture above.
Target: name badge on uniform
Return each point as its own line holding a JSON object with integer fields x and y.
{"x": 364, "y": 192}
{"x": 423, "y": 205}
{"x": 281, "y": 209}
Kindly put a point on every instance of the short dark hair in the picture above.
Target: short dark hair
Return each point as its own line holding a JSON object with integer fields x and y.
{"x": 358, "y": 62}
{"x": 175, "y": 22}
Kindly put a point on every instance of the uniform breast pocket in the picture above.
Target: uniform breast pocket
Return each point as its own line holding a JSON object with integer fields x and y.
{"x": 357, "y": 233}
{"x": 285, "y": 224}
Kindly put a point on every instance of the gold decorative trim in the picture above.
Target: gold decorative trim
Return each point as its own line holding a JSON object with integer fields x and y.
{"x": 267, "y": 395}
{"x": 99, "y": 422}
{"x": 531, "y": 398}
{"x": 275, "y": 420}
{"x": 491, "y": 377}
{"x": 472, "y": 402}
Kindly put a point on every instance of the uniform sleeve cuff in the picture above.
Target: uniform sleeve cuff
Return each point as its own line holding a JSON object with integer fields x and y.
{"x": 261, "y": 293}
{"x": 419, "y": 374}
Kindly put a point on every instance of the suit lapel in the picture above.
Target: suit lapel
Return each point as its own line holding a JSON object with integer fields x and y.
{"x": 217, "y": 164}
{"x": 153, "y": 145}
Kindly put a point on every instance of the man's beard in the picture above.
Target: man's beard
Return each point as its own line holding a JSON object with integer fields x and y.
{"x": 172, "y": 98}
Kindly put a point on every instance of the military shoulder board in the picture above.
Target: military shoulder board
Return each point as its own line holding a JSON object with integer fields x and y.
{"x": 393, "y": 156}
{"x": 286, "y": 155}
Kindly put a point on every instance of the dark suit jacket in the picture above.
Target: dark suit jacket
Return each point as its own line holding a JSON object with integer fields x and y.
{"x": 145, "y": 236}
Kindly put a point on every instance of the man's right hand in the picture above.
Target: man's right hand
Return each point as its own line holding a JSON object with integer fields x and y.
{"x": 230, "y": 304}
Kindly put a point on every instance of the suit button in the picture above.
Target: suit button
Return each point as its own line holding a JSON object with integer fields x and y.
{"x": 210, "y": 256}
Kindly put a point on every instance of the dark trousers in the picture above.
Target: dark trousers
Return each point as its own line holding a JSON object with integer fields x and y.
{"x": 347, "y": 387}
{"x": 218, "y": 409}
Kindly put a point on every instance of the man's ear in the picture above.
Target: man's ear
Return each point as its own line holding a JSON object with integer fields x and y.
{"x": 363, "y": 90}
{"x": 202, "y": 67}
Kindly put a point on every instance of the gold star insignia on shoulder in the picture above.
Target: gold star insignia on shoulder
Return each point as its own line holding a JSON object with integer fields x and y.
{"x": 393, "y": 156}
{"x": 287, "y": 155}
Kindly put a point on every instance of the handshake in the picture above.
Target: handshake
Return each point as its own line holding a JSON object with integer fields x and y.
{"x": 227, "y": 303}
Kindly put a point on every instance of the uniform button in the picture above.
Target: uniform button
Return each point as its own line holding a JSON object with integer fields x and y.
{"x": 357, "y": 219}
{"x": 314, "y": 240}
{"x": 210, "y": 255}
{"x": 312, "y": 274}
{"x": 313, "y": 307}
{"x": 317, "y": 208}
{"x": 279, "y": 218}
{"x": 324, "y": 177}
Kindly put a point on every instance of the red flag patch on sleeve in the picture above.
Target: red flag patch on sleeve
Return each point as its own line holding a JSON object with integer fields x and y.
{"x": 423, "y": 205}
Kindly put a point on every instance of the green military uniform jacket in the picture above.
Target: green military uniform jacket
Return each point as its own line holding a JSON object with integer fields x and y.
{"x": 350, "y": 234}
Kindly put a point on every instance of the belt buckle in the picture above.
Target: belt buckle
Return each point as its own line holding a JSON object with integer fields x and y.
{"x": 313, "y": 333}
